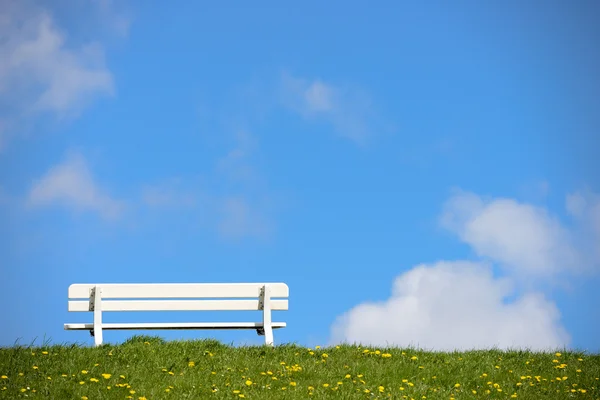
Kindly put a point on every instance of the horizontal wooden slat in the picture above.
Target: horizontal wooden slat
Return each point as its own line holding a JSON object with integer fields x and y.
{"x": 177, "y": 305}
{"x": 177, "y": 290}
{"x": 180, "y": 325}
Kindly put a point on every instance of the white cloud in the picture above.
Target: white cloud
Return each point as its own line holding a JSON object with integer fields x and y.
{"x": 348, "y": 110}
{"x": 453, "y": 305}
{"x": 39, "y": 71}
{"x": 520, "y": 237}
{"x": 71, "y": 184}
{"x": 461, "y": 305}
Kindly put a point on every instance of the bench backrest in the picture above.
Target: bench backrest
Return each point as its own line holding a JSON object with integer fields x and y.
{"x": 178, "y": 296}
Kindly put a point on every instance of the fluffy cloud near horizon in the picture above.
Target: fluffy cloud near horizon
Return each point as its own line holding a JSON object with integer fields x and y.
{"x": 40, "y": 72}
{"x": 460, "y": 304}
{"x": 453, "y": 305}
{"x": 71, "y": 184}
{"x": 349, "y": 111}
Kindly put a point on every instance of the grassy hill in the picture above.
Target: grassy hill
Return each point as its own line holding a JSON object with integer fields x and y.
{"x": 149, "y": 368}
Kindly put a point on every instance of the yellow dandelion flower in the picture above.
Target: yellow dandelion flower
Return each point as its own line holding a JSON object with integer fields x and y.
{"x": 326, "y": 385}
{"x": 381, "y": 389}
{"x": 248, "y": 382}
{"x": 4, "y": 377}
{"x": 413, "y": 358}
{"x": 106, "y": 376}
{"x": 84, "y": 398}
{"x": 457, "y": 385}
{"x": 84, "y": 372}
{"x": 347, "y": 376}
{"x": 558, "y": 354}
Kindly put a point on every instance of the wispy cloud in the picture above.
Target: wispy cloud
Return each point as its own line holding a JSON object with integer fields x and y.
{"x": 233, "y": 199}
{"x": 349, "y": 110}
{"x": 112, "y": 16}
{"x": 70, "y": 184}
{"x": 461, "y": 305}
{"x": 239, "y": 218}
{"x": 40, "y": 72}
{"x": 236, "y": 165}
{"x": 170, "y": 194}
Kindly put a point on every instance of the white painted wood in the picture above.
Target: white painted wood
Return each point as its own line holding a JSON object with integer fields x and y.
{"x": 96, "y": 300}
{"x": 174, "y": 325}
{"x": 177, "y": 305}
{"x": 178, "y": 290}
{"x": 266, "y": 307}
{"x": 96, "y": 294}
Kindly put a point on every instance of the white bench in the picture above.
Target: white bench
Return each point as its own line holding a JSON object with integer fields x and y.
{"x": 99, "y": 298}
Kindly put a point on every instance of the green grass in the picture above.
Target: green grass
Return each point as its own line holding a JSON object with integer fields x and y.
{"x": 150, "y": 368}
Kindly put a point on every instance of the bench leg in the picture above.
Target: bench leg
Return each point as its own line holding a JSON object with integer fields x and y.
{"x": 97, "y": 335}
{"x": 268, "y": 335}
{"x": 265, "y": 305}
{"x": 96, "y": 302}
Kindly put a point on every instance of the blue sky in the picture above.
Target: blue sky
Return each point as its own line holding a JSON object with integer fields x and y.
{"x": 418, "y": 174}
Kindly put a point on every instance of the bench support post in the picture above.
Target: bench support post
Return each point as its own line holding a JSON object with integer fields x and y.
{"x": 96, "y": 307}
{"x": 265, "y": 304}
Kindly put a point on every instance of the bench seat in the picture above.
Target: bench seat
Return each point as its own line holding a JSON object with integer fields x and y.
{"x": 174, "y": 325}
